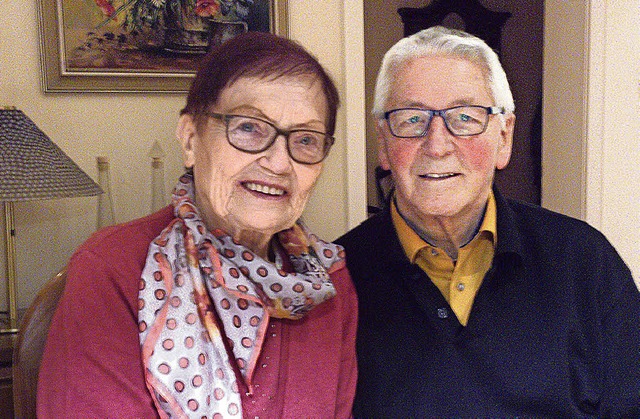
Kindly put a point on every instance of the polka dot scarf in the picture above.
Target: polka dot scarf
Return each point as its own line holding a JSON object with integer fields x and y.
{"x": 201, "y": 292}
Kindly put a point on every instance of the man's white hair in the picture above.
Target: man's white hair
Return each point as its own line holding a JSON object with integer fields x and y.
{"x": 442, "y": 41}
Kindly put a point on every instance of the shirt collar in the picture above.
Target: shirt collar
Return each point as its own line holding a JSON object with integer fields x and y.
{"x": 412, "y": 243}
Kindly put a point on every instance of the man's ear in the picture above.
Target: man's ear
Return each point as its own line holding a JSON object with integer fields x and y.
{"x": 383, "y": 158}
{"x": 506, "y": 142}
{"x": 187, "y": 134}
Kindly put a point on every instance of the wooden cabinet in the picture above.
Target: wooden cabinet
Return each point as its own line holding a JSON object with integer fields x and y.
{"x": 7, "y": 341}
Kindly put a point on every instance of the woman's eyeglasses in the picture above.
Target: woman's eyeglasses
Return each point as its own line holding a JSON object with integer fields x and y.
{"x": 254, "y": 135}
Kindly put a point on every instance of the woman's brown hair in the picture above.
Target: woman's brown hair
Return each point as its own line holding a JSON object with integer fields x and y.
{"x": 256, "y": 54}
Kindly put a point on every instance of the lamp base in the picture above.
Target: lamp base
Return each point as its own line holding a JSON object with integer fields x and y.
{"x": 9, "y": 325}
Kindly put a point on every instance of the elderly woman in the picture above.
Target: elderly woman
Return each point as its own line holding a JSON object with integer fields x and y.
{"x": 222, "y": 305}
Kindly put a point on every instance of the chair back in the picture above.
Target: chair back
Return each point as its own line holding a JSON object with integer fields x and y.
{"x": 29, "y": 347}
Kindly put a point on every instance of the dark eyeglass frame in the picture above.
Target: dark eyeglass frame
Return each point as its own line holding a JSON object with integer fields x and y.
{"x": 491, "y": 110}
{"x": 329, "y": 140}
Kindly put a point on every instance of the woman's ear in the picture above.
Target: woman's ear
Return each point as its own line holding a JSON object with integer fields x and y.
{"x": 186, "y": 133}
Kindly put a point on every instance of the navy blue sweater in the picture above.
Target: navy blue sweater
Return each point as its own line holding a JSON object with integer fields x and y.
{"x": 554, "y": 330}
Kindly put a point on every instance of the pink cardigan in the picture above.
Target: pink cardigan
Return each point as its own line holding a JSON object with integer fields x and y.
{"x": 92, "y": 365}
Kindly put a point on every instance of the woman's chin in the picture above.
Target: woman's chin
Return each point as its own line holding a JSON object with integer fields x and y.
{"x": 263, "y": 224}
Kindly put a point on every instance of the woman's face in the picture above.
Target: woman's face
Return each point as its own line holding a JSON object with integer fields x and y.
{"x": 265, "y": 192}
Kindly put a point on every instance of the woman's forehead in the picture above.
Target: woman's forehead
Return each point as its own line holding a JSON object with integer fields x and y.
{"x": 288, "y": 100}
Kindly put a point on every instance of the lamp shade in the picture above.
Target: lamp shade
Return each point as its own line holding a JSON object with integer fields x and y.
{"x": 32, "y": 167}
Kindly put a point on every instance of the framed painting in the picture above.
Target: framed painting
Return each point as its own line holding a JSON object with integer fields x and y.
{"x": 141, "y": 45}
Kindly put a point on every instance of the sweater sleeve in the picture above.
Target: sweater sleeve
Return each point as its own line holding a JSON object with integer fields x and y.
{"x": 92, "y": 366}
{"x": 619, "y": 301}
{"x": 348, "y": 373}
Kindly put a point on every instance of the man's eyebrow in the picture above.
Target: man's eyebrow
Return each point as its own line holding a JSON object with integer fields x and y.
{"x": 465, "y": 101}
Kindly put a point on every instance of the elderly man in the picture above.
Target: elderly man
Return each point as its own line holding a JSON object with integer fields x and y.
{"x": 471, "y": 304}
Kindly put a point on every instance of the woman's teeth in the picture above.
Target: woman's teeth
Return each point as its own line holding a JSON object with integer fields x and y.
{"x": 264, "y": 189}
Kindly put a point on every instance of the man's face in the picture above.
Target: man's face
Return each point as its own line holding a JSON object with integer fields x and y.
{"x": 441, "y": 176}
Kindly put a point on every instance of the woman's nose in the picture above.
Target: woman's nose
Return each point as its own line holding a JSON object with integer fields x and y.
{"x": 276, "y": 158}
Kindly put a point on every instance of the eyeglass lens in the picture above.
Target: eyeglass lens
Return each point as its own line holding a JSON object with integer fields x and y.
{"x": 255, "y": 135}
{"x": 461, "y": 121}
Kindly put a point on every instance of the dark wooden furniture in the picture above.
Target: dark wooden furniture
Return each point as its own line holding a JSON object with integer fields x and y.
{"x": 29, "y": 346}
{"x": 7, "y": 342}
{"x": 477, "y": 19}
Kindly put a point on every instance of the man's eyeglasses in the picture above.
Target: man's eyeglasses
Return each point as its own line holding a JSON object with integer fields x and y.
{"x": 254, "y": 135}
{"x": 461, "y": 121}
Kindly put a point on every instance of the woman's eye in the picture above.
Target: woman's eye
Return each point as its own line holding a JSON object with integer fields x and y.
{"x": 307, "y": 140}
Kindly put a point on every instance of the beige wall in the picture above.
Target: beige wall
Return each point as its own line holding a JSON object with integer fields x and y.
{"x": 591, "y": 105}
{"x": 124, "y": 127}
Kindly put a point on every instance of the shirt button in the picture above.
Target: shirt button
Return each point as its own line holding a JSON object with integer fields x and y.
{"x": 443, "y": 313}
{"x": 460, "y": 286}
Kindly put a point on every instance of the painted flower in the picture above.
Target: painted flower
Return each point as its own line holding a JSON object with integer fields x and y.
{"x": 151, "y": 13}
{"x": 106, "y": 7}
{"x": 207, "y": 8}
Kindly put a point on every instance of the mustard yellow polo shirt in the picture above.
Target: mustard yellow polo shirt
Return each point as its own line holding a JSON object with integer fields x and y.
{"x": 459, "y": 280}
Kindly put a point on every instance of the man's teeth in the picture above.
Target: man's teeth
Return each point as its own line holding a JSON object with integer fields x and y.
{"x": 439, "y": 175}
{"x": 264, "y": 189}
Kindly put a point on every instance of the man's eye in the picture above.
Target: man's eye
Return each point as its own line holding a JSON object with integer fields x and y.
{"x": 464, "y": 117}
{"x": 414, "y": 119}
{"x": 306, "y": 140}
{"x": 247, "y": 127}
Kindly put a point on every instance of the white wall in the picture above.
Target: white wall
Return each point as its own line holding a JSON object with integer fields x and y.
{"x": 591, "y": 106}
{"x": 124, "y": 127}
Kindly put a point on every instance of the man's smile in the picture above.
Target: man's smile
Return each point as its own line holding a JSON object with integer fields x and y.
{"x": 438, "y": 176}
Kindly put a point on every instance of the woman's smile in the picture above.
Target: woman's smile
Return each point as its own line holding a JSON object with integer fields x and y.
{"x": 263, "y": 190}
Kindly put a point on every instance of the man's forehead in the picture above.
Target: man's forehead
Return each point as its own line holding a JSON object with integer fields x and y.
{"x": 435, "y": 82}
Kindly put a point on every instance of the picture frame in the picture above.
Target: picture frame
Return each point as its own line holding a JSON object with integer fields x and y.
{"x": 90, "y": 46}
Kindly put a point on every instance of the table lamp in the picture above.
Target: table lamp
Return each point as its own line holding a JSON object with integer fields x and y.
{"x": 32, "y": 167}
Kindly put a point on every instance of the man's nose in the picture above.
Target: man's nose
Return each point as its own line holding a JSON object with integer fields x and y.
{"x": 438, "y": 139}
